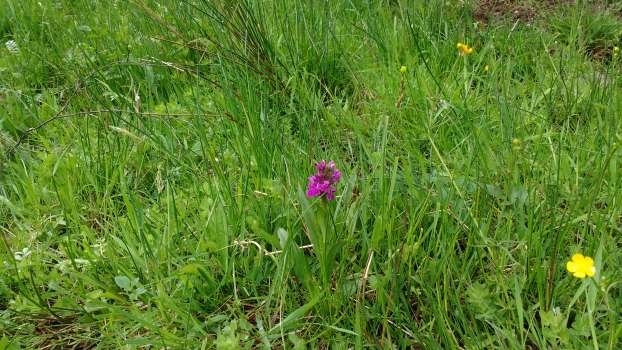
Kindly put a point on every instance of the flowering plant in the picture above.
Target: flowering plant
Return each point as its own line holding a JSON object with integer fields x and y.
{"x": 324, "y": 180}
{"x": 319, "y": 218}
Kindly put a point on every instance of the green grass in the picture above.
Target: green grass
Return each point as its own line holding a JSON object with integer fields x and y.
{"x": 155, "y": 157}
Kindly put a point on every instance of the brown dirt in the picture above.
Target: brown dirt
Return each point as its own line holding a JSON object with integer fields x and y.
{"x": 515, "y": 10}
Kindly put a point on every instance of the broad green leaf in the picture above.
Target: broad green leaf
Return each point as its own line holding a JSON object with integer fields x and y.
{"x": 123, "y": 282}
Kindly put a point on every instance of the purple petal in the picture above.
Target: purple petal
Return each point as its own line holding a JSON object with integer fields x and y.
{"x": 313, "y": 192}
{"x": 336, "y": 176}
{"x": 330, "y": 196}
{"x": 321, "y": 166}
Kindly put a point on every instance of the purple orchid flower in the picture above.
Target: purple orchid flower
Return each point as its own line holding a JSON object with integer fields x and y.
{"x": 324, "y": 181}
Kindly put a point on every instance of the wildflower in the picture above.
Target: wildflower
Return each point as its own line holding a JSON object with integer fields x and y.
{"x": 464, "y": 49}
{"x": 403, "y": 69}
{"x": 616, "y": 51}
{"x": 21, "y": 255}
{"x": 581, "y": 266}
{"x": 324, "y": 180}
{"x": 486, "y": 68}
{"x": 11, "y": 45}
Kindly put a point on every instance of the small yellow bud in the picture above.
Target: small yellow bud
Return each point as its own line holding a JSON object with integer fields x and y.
{"x": 464, "y": 49}
{"x": 403, "y": 69}
{"x": 486, "y": 68}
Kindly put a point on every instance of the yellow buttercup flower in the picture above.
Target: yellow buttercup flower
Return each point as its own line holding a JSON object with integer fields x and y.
{"x": 464, "y": 49}
{"x": 581, "y": 266}
{"x": 486, "y": 68}
{"x": 403, "y": 69}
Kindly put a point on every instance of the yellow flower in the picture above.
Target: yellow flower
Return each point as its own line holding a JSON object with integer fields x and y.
{"x": 403, "y": 69}
{"x": 581, "y": 266}
{"x": 486, "y": 68}
{"x": 616, "y": 49}
{"x": 464, "y": 49}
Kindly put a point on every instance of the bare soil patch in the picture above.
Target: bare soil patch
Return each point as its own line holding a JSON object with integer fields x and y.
{"x": 487, "y": 11}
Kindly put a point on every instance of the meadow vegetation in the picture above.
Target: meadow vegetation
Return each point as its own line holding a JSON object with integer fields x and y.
{"x": 155, "y": 157}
